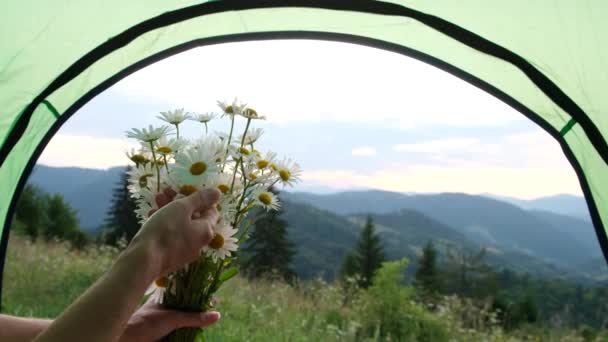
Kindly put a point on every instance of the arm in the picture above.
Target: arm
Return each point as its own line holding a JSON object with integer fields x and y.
{"x": 21, "y": 329}
{"x": 172, "y": 237}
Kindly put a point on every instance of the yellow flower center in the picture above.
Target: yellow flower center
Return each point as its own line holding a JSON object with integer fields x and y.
{"x": 262, "y": 163}
{"x": 187, "y": 190}
{"x": 217, "y": 242}
{"x": 229, "y": 109}
{"x": 138, "y": 159}
{"x": 164, "y": 149}
{"x": 224, "y": 188}
{"x": 252, "y": 176}
{"x": 161, "y": 282}
{"x": 244, "y": 151}
{"x": 284, "y": 174}
{"x": 274, "y": 166}
{"x": 265, "y": 198}
{"x": 198, "y": 168}
{"x": 251, "y": 113}
{"x": 143, "y": 180}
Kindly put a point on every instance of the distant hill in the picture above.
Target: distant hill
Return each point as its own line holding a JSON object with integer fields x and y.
{"x": 479, "y": 218}
{"x": 579, "y": 229}
{"x": 326, "y": 226}
{"x": 563, "y": 204}
{"x": 323, "y": 238}
{"x": 89, "y": 191}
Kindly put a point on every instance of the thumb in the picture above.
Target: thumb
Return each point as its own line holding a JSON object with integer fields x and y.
{"x": 202, "y": 200}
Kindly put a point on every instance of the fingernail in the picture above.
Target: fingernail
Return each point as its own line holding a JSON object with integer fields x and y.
{"x": 210, "y": 316}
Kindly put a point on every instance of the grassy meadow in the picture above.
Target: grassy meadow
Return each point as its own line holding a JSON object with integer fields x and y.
{"x": 41, "y": 279}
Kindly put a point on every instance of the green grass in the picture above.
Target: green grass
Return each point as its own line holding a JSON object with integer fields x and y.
{"x": 41, "y": 279}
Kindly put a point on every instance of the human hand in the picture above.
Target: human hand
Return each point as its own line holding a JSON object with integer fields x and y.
{"x": 152, "y": 322}
{"x": 174, "y": 235}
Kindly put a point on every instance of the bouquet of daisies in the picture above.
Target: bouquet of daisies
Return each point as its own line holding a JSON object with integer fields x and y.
{"x": 169, "y": 164}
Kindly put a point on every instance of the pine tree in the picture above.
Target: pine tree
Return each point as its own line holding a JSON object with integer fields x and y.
{"x": 367, "y": 257}
{"x": 62, "y": 219}
{"x": 349, "y": 266}
{"x": 469, "y": 275}
{"x": 427, "y": 275}
{"x": 31, "y": 211}
{"x": 268, "y": 250}
{"x": 121, "y": 220}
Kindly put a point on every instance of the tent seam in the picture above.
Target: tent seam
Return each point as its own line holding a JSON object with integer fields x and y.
{"x": 51, "y": 108}
{"x": 567, "y": 127}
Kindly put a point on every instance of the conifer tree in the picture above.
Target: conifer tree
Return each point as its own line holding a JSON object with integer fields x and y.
{"x": 427, "y": 277}
{"x": 367, "y": 257}
{"x": 268, "y": 250}
{"x": 31, "y": 211}
{"x": 62, "y": 219}
{"x": 121, "y": 220}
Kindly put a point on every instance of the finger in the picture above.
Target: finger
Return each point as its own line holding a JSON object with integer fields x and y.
{"x": 204, "y": 228}
{"x": 170, "y": 193}
{"x": 172, "y": 320}
{"x": 161, "y": 199}
{"x": 202, "y": 200}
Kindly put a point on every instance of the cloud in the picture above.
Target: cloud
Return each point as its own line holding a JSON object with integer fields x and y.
{"x": 528, "y": 149}
{"x": 85, "y": 151}
{"x": 438, "y": 146}
{"x": 363, "y": 151}
{"x": 312, "y": 81}
{"x": 467, "y": 178}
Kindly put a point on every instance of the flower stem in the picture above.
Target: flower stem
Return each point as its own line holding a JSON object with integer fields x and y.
{"x": 156, "y": 166}
{"x": 236, "y": 167}
{"x": 245, "y": 132}
{"x": 228, "y": 142}
{"x": 166, "y": 164}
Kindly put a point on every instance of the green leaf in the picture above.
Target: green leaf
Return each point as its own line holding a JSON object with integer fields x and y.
{"x": 227, "y": 274}
{"x": 200, "y": 336}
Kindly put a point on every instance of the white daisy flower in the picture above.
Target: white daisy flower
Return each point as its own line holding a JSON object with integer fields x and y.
{"x": 237, "y": 153}
{"x": 251, "y": 114}
{"x": 156, "y": 290}
{"x": 194, "y": 165}
{"x": 226, "y": 208}
{"x": 138, "y": 157}
{"x": 266, "y": 199}
{"x": 149, "y": 135}
{"x": 253, "y": 174}
{"x": 203, "y": 117}
{"x": 184, "y": 187}
{"x": 166, "y": 146}
{"x": 143, "y": 210}
{"x": 289, "y": 171}
{"x": 252, "y": 136}
{"x": 223, "y": 243}
{"x": 174, "y": 117}
{"x": 213, "y": 144}
{"x": 231, "y": 109}
{"x": 265, "y": 161}
{"x": 141, "y": 177}
{"x": 222, "y": 182}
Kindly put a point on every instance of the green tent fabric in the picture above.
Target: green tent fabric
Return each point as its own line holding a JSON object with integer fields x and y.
{"x": 547, "y": 60}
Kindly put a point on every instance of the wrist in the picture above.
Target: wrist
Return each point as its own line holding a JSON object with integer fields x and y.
{"x": 142, "y": 257}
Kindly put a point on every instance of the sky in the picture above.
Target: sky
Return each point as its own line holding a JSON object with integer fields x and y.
{"x": 353, "y": 117}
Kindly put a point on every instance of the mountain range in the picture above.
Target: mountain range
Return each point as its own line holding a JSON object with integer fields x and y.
{"x": 326, "y": 226}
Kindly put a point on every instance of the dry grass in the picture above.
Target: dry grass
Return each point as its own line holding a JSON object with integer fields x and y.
{"x": 41, "y": 279}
